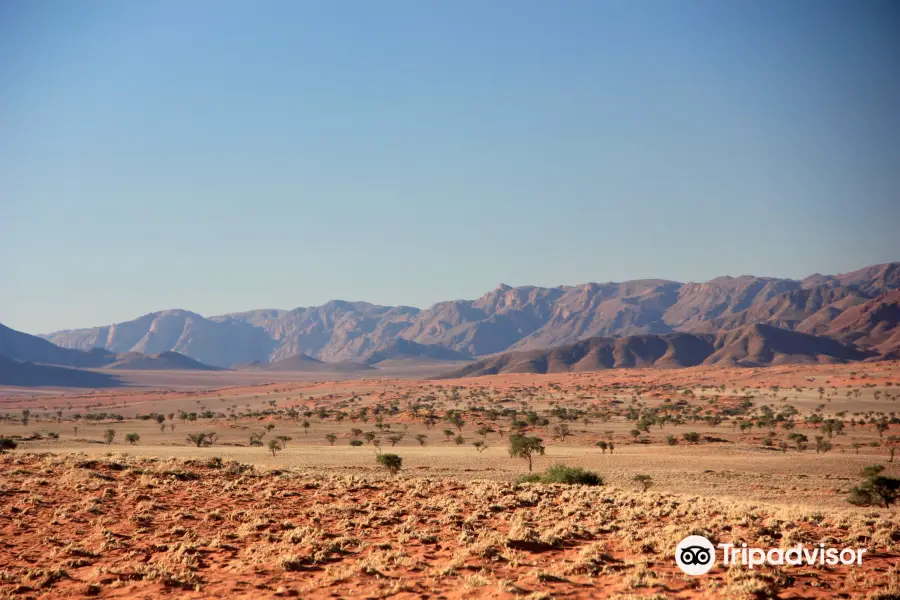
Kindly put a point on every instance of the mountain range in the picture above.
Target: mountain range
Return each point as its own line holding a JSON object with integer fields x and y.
{"x": 857, "y": 308}
{"x": 750, "y": 346}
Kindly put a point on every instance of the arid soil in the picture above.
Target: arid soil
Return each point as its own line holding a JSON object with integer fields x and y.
{"x": 82, "y": 514}
{"x": 73, "y": 527}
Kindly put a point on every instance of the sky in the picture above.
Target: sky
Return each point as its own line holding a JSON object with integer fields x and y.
{"x": 222, "y": 155}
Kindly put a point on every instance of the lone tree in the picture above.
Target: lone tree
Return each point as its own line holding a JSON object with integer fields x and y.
{"x": 132, "y": 438}
{"x": 522, "y": 446}
{"x": 7, "y": 444}
{"x": 892, "y": 443}
{"x": 480, "y": 445}
{"x": 274, "y": 446}
{"x": 204, "y": 440}
{"x": 876, "y": 489}
{"x": 109, "y": 435}
{"x": 331, "y": 438}
{"x": 799, "y": 440}
{"x": 391, "y": 462}
{"x": 602, "y": 445}
{"x": 645, "y": 481}
{"x": 422, "y": 439}
{"x": 284, "y": 439}
{"x": 455, "y": 419}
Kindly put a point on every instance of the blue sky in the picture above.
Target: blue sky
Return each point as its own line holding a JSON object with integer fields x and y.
{"x": 227, "y": 155}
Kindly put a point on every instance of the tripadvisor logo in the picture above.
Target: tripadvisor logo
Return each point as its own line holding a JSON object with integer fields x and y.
{"x": 696, "y": 555}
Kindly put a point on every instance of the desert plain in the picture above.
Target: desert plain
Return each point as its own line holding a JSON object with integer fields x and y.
{"x": 222, "y": 487}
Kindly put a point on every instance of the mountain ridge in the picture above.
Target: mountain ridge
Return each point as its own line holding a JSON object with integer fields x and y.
{"x": 504, "y": 319}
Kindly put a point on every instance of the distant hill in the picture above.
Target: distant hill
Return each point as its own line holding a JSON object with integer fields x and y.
{"x": 764, "y": 345}
{"x": 304, "y": 363}
{"x": 21, "y": 346}
{"x": 504, "y": 319}
{"x": 399, "y": 349}
{"x": 755, "y": 345}
{"x": 27, "y": 374}
{"x": 159, "y": 362}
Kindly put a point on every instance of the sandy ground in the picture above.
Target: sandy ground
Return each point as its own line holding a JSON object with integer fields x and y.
{"x": 729, "y": 483}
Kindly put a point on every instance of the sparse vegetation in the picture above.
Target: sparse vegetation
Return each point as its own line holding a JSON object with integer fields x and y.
{"x": 565, "y": 475}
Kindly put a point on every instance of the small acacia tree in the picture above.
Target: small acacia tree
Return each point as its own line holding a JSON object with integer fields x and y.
{"x": 332, "y": 438}
{"x": 204, "y": 440}
{"x": 892, "y": 443}
{"x": 391, "y": 462}
{"x": 132, "y": 438}
{"x": 274, "y": 446}
{"x": 522, "y": 446}
{"x": 480, "y": 445}
{"x": 109, "y": 435}
{"x": 645, "y": 481}
{"x": 422, "y": 439}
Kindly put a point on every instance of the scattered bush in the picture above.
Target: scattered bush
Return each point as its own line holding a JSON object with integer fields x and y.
{"x": 876, "y": 489}
{"x": 391, "y": 462}
{"x": 565, "y": 475}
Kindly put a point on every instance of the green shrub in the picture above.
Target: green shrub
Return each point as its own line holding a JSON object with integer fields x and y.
{"x": 565, "y": 475}
{"x": 391, "y": 462}
{"x": 356, "y": 442}
{"x": 876, "y": 489}
{"x": 7, "y": 444}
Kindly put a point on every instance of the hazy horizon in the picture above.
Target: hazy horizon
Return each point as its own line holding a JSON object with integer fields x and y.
{"x": 220, "y": 157}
